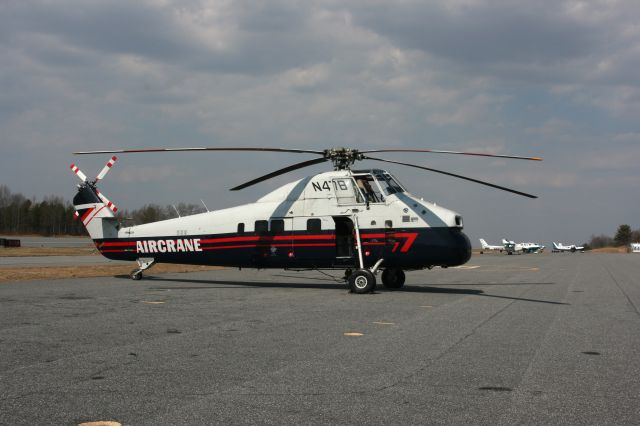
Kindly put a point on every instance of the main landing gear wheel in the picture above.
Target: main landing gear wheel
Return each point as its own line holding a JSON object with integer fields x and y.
{"x": 393, "y": 278}
{"x": 136, "y": 275}
{"x": 362, "y": 281}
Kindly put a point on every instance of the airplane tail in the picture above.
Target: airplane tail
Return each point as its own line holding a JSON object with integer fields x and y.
{"x": 484, "y": 243}
{"x": 95, "y": 210}
{"x": 555, "y": 246}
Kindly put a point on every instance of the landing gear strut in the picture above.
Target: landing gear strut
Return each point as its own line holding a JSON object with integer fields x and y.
{"x": 144, "y": 264}
{"x": 393, "y": 278}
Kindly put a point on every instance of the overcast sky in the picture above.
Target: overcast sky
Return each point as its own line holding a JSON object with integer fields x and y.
{"x": 549, "y": 78}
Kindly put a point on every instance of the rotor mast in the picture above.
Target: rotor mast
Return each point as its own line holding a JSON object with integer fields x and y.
{"x": 342, "y": 158}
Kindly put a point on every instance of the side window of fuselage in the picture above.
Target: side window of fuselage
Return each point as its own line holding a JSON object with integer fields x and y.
{"x": 277, "y": 226}
{"x": 314, "y": 225}
{"x": 262, "y": 227}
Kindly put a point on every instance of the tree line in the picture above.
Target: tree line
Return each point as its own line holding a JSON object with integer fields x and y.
{"x": 20, "y": 215}
{"x": 623, "y": 237}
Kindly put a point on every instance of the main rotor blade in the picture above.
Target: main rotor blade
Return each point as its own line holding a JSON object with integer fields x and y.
{"x": 454, "y": 175}
{"x": 133, "y": 151}
{"x": 280, "y": 172}
{"x": 438, "y": 151}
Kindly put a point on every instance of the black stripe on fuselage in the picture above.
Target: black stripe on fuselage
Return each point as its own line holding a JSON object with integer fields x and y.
{"x": 299, "y": 249}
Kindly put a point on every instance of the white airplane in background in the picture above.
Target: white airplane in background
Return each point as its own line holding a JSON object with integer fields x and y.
{"x": 489, "y": 247}
{"x": 532, "y": 247}
{"x": 512, "y": 247}
{"x": 559, "y": 247}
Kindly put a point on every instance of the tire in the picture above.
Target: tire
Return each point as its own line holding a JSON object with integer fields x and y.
{"x": 362, "y": 281}
{"x": 136, "y": 275}
{"x": 393, "y": 278}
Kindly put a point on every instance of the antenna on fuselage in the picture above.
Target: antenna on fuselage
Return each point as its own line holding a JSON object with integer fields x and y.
{"x": 205, "y": 206}
{"x": 174, "y": 207}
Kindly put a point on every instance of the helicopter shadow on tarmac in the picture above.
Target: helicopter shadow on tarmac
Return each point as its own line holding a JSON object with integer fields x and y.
{"x": 331, "y": 284}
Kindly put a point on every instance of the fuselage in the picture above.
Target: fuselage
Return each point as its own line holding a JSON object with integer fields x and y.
{"x": 310, "y": 223}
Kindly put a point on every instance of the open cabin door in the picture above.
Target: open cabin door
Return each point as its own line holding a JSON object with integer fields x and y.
{"x": 345, "y": 241}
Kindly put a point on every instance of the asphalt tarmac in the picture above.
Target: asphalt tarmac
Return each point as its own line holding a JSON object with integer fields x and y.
{"x": 532, "y": 339}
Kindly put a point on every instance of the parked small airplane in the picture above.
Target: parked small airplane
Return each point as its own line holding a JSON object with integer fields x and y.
{"x": 511, "y": 247}
{"x": 559, "y": 247}
{"x": 532, "y": 247}
{"x": 489, "y": 247}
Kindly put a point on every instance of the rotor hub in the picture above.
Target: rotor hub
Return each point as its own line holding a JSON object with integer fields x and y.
{"x": 342, "y": 158}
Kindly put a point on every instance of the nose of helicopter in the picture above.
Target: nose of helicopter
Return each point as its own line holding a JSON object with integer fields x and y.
{"x": 459, "y": 248}
{"x": 446, "y": 247}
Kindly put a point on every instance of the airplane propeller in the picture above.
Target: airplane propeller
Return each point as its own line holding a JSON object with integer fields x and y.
{"x": 342, "y": 158}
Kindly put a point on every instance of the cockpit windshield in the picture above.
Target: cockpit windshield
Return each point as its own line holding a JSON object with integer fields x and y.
{"x": 388, "y": 183}
{"x": 370, "y": 186}
{"x": 369, "y": 189}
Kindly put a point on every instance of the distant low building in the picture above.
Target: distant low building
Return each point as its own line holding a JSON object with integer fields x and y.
{"x": 635, "y": 247}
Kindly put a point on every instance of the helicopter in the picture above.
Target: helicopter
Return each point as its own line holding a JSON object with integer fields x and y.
{"x": 360, "y": 221}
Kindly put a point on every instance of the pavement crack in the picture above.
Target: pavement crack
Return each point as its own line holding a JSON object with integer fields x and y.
{"x": 451, "y": 347}
{"x": 615, "y": 281}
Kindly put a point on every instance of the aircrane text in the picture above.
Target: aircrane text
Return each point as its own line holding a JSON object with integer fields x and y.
{"x": 168, "y": 246}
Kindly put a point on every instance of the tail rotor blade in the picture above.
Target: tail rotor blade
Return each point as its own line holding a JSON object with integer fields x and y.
{"x": 524, "y": 194}
{"x": 106, "y": 168}
{"x": 106, "y": 201}
{"x": 78, "y": 172}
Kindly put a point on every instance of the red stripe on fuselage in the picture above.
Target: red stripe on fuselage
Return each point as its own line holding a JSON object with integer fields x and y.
{"x": 92, "y": 217}
{"x": 270, "y": 245}
{"x": 268, "y": 238}
{"x": 410, "y": 239}
{"x": 84, "y": 216}
{"x": 118, "y": 244}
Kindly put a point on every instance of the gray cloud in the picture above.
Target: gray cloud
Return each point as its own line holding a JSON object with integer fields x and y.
{"x": 483, "y": 32}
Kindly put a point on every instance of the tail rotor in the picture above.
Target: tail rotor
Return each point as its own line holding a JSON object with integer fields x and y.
{"x": 106, "y": 168}
{"x": 78, "y": 173}
{"x": 106, "y": 201}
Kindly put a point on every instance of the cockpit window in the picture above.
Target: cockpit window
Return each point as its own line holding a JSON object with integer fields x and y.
{"x": 369, "y": 188}
{"x": 388, "y": 184}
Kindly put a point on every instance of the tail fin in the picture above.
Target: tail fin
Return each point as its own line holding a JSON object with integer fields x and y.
{"x": 484, "y": 243}
{"x": 96, "y": 216}
{"x": 94, "y": 209}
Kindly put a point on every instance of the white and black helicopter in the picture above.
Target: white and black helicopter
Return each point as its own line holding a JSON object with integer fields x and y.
{"x": 360, "y": 221}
